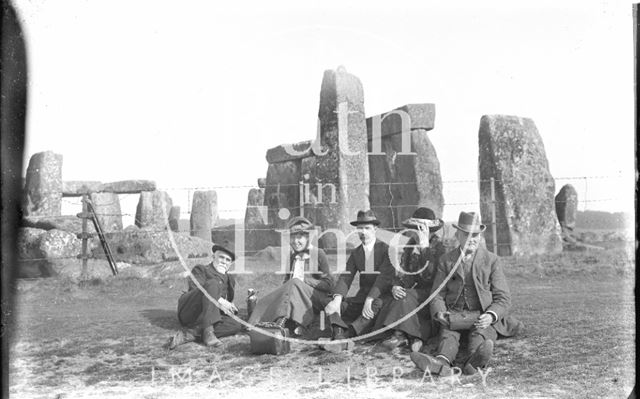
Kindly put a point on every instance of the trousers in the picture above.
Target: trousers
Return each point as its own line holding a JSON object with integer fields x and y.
{"x": 196, "y": 310}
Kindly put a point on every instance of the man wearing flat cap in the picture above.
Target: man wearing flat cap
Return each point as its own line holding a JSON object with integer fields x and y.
{"x": 370, "y": 261}
{"x": 306, "y": 285}
{"x": 474, "y": 302}
{"x": 200, "y": 316}
{"x": 412, "y": 282}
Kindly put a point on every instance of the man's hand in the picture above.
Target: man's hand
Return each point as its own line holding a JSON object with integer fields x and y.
{"x": 227, "y": 307}
{"x": 367, "y": 312}
{"x": 483, "y": 321}
{"x": 423, "y": 235}
{"x": 441, "y": 317}
{"x": 333, "y": 306}
{"x": 398, "y": 292}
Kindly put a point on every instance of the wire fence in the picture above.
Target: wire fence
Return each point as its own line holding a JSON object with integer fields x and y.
{"x": 113, "y": 209}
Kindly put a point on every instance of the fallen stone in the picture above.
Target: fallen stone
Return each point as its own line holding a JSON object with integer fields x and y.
{"x": 567, "y": 207}
{"x": 153, "y": 210}
{"x": 69, "y": 223}
{"x": 147, "y": 246}
{"x": 28, "y": 241}
{"x": 43, "y": 185}
{"x": 107, "y": 208}
{"x": 204, "y": 213}
{"x": 59, "y": 244}
{"x": 512, "y": 152}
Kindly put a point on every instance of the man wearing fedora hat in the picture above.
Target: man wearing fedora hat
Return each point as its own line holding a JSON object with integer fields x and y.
{"x": 412, "y": 283}
{"x": 197, "y": 313}
{"x": 474, "y": 302}
{"x": 306, "y": 285}
{"x": 371, "y": 261}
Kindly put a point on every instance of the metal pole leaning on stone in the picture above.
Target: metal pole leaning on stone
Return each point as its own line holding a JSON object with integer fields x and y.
{"x": 103, "y": 240}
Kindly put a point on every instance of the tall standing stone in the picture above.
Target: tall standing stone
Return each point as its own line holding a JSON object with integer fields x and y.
{"x": 343, "y": 165}
{"x": 257, "y": 236}
{"x": 107, "y": 207}
{"x": 153, "y": 210}
{"x": 282, "y": 192}
{"x": 512, "y": 152}
{"x": 174, "y": 218}
{"x": 404, "y": 169}
{"x": 567, "y": 207}
{"x": 204, "y": 214}
{"x": 43, "y": 188}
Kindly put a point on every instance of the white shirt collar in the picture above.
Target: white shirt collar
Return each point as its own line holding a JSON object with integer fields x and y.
{"x": 369, "y": 247}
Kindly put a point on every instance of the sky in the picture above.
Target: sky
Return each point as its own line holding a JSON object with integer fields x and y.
{"x": 191, "y": 94}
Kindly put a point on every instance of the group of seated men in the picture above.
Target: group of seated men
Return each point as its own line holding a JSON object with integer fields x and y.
{"x": 472, "y": 301}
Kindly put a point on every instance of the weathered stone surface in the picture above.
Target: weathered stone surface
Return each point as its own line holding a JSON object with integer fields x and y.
{"x": 345, "y": 164}
{"x": 74, "y": 188}
{"x": 153, "y": 210}
{"x": 59, "y": 244}
{"x": 174, "y": 218}
{"x": 285, "y": 153}
{"x": 400, "y": 183}
{"x": 512, "y": 152}
{"x": 152, "y": 246}
{"x": 567, "y": 207}
{"x": 253, "y": 216}
{"x": 69, "y": 223}
{"x": 107, "y": 207}
{"x": 257, "y": 234}
{"x": 262, "y": 182}
{"x": 28, "y": 242}
{"x": 204, "y": 214}
{"x": 129, "y": 186}
{"x": 402, "y": 119}
{"x": 282, "y": 191}
{"x": 43, "y": 187}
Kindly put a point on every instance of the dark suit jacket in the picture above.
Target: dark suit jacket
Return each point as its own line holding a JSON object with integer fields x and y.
{"x": 489, "y": 280}
{"x": 323, "y": 280}
{"x": 204, "y": 273}
{"x": 372, "y": 285}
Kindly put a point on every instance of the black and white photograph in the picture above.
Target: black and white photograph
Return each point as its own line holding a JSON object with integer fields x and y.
{"x": 319, "y": 199}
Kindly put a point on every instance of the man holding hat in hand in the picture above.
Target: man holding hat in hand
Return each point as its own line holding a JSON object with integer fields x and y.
{"x": 411, "y": 285}
{"x": 474, "y": 302}
{"x": 197, "y": 313}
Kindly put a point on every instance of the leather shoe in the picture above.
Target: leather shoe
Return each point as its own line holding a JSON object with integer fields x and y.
{"x": 209, "y": 338}
{"x": 435, "y": 365}
{"x": 341, "y": 333}
{"x": 479, "y": 358}
{"x": 397, "y": 340}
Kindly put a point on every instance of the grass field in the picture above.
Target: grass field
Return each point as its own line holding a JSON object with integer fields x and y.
{"x": 105, "y": 338}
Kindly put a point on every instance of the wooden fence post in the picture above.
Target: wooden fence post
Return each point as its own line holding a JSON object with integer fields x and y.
{"x": 494, "y": 230}
{"x": 84, "y": 236}
{"x": 301, "y": 191}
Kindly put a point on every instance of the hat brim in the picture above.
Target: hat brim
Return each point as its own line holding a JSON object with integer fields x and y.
{"x": 217, "y": 247}
{"x": 409, "y": 223}
{"x": 468, "y": 229}
{"x": 374, "y": 222}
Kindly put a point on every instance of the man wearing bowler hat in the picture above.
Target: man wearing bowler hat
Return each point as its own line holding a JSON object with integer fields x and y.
{"x": 197, "y": 313}
{"x": 474, "y": 302}
{"x": 371, "y": 261}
